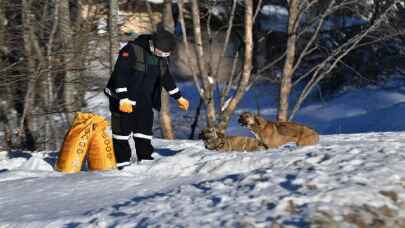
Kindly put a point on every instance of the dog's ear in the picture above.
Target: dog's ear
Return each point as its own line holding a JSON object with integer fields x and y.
{"x": 259, "y": 121}
{"x": 220, "y": 134}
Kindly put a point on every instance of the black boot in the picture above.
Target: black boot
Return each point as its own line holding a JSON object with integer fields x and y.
{"x": 144, "y": 149}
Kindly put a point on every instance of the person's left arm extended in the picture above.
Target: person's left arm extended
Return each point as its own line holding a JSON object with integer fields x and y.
{"x": 170, "y": 85}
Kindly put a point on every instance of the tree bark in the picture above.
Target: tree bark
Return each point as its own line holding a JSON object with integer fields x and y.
{"x": 165, "y": 116}
{"x": 247, "y": 67}
{"x": 4, "y": 105}
{"x": 167, "y": 16}
{"x": 286, "y": 80}
{"x": 187, "y": 49}
{"x": 113, "y": 31}
{"x": 83, "y": 29}
{"x": 152, "y": 20}
{"x": 26, "y": 139}
{"x": 208, "y": 86}
{"x": 225, "y": 90}
{"x": 2, "y": 26}
{"x": 49, "y": 93}
{"x": 71, "y": 95}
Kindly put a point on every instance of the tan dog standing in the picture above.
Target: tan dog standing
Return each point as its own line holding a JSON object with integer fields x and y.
{"x": 275, "y": 134}
{"x": 215, "y": 140}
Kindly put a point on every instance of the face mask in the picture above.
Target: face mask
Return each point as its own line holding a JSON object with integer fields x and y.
{"x": 158, "y": 52}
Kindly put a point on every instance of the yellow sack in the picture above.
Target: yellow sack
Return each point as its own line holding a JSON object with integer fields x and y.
{"x": 101, "y": 155}
{"x": 76, "y": 143}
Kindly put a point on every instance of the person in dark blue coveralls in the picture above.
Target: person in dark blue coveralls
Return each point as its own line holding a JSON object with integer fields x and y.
{"x": 134, "y": 89}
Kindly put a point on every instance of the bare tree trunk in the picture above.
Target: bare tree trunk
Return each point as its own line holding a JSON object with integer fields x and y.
{"x": 167, "y": 16}
{"x": 288, "y": 71}
{"x": 225, "y": 91}
{"x": 4, "y": 120}
{"x": 83, "y": 29}
{"x": 26, "y": 139}
{"x": 187, "y": 49}
{"x": 152, "y": 20}
{"x": 165, "y": 116}
{"x": 247, "y": 67}
{"x": 208, "y": 85}
{"x": 196, "y": 118}
{"x": 3, "y": 115}
{"x": 49, "y": 84}
{"x": 72, "y": 100}
{"x": 113, "y": 31}
{"x": 4, "y": 105}
{"x": 192, "y": 69}
{"x": 2, "y": 26}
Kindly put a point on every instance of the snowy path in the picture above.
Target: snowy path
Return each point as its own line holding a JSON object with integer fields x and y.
{"x": 350, "y": 179}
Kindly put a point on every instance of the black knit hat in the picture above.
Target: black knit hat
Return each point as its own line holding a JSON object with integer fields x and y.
{"x": 164, "y": 41}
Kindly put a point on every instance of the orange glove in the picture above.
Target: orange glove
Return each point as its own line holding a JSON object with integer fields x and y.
{"x": 126, "y": 105}
{"x": 183, "y": 103}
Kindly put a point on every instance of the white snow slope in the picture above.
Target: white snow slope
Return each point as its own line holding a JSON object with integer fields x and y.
{"x": 346, "y": 179}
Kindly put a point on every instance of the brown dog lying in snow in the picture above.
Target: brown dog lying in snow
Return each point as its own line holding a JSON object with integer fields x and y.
{"x": 215, "y": 140}
{"x": 275, "y": 134}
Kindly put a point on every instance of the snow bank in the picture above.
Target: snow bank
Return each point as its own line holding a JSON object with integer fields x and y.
{"x": 347, "y": 179}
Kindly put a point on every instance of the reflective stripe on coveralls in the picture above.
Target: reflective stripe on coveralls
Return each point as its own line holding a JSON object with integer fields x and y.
{"x": 121, "y": 90}
{"x": 171, "y": 92}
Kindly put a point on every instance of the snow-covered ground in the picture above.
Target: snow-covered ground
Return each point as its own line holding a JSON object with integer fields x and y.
{"x": 348, "y": 180}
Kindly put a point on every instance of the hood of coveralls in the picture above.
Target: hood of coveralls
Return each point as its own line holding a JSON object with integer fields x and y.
{"x": 143, "y": 41}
